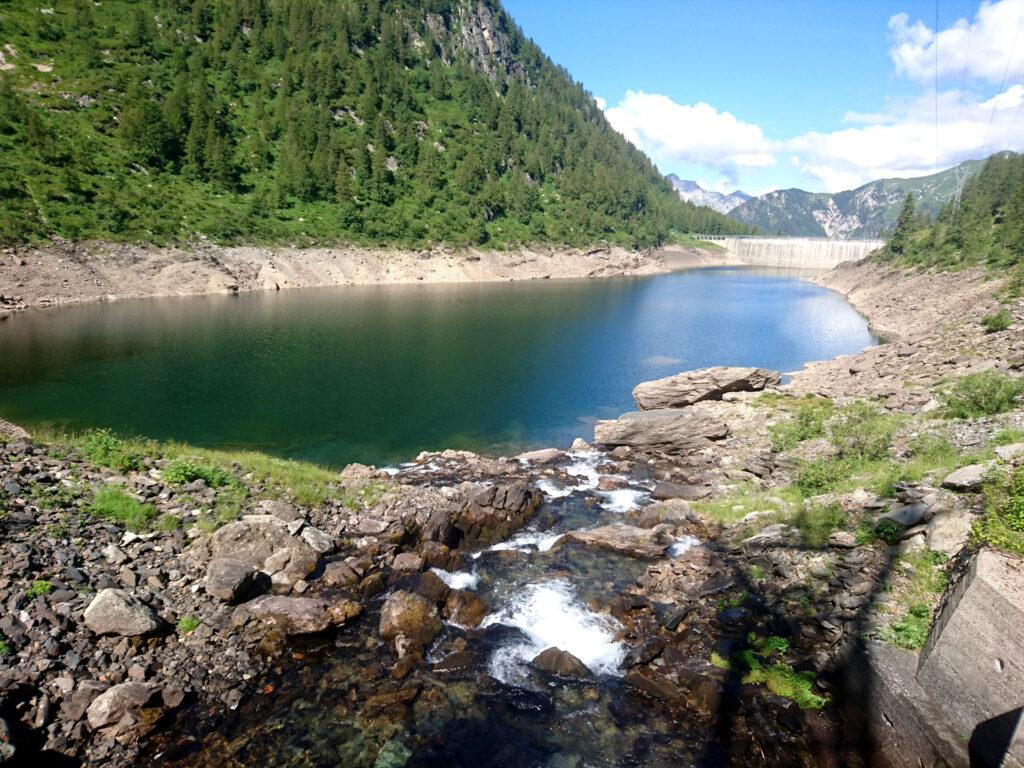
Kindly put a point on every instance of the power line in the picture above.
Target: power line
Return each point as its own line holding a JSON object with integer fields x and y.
{"x": 935, "y": 167}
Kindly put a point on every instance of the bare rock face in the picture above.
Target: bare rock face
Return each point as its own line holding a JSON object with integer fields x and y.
{"x": 302, "y": 615}
{"x": 561, "y": 663}
{"x": 264, "y": 542}
{"x": 115, "y": 612}
{"x": 231, "y": 580}
{"x": 667, "y": 429}
{"x": 703, "y": 384}
{"x": 410, "y": 621}
{"x": 126, "y": 711}
{"x": 625, "y": 539}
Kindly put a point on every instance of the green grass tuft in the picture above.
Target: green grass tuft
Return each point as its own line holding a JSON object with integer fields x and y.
{"x": 1002, "y": 525}
{"x": 806, "y": 423}
{"x": 187, "y": 625}
{"x": 5, "y": 648}
{"x": 915, "y": 597}
{"x": 999, "y": 321}
{"x": 112, "y": 503}
{"x": 982, "y": 394}
{"x": 39, "y": 588}
{"x": 104, "y": 449}
{"x": 187, "y": 469}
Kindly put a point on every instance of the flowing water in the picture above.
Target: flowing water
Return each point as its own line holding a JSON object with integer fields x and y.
{"x": 376, "y": 374}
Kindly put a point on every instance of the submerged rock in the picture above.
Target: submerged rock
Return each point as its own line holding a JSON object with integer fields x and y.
{"x": 703, "y": 384}
{"x": 625, "y": 539}
{"x": 115, "y": 612}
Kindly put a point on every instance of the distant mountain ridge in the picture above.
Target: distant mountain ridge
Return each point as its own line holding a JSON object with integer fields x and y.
{"x": 869, "y": 211}
{"x": 694, "y": 193}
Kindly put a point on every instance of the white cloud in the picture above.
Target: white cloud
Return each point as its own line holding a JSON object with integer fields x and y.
{"x": 601, "y": 103}
{"x": 982, "y": 47}
{"x": 684, "y": 133}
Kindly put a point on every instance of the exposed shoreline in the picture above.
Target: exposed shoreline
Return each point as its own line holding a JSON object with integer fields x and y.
{"x": 86, "y": 272}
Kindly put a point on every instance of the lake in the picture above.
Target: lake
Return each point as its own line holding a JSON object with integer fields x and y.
{"x": 378, "y": 373}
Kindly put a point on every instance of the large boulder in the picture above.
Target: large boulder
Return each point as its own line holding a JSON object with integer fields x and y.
{"x": 625, "y": 539}
{"x": 265, "y": 543}
{"x": 409, "y": 621}
{"x": 115, "y": 612}
{"x": 302, "y": 615}
{"x": 703, "y": 384}
{"x": 464, "y": 608}
{"x": 126, "y": 711}
{"x": 560, "y": 663}
{"x": 969, "y": 478}
{"x": 494, "y": 512}
{"x": 231, "y": 580}
{"x": 668, "y": 429}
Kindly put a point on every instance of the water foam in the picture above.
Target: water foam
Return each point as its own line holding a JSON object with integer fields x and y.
{"x": 683, "y": 544}
{"x": 623, "y": 499}
{"x": 550, "y": 614}
{"x": 524, "y": 541}
{"x": 458, "y": 579}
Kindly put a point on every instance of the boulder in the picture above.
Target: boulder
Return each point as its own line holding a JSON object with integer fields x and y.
{"x": 691, "y": 387}
{"x": 543, "y": 456}
{"x": 671, "y": 512}
{"x": 906, "y": 515}
{"x": 653, "y": 684}
{"x": 432, "y": 587}
{"x": 126, "y": 711}
{"x": 493, "y": 512}
{"x": 263, "y": 541}
{"x": 842, "y": 540}
{"x": 560, "y": 663}
{"x": 464, "y": 608}
{"x": 967, "y": 478}
{"x": 231, "y": 580}
{"x": 949, "y": 530}
{"x": 409, "y": 621}
{"x": 302, "y": 615}
{"x": 668, "y": 429}
{"x": 339, "y": 574}
{"x": 115, "y": 612}
{"x": 1007, "y": 452}
{"x": 769, "y": 537}
{"x": 668, "y": 490}
{"x": 408, "y": 561}
{"x": 625, "y": 539}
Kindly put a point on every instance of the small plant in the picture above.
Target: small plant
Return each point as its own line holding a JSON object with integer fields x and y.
{"x": 889, "y": 531}
{"x": 910, "y": 631}
{"x": 188, "y": 624}
{"x": 1002, "y": 525}
{"x": 982, "y": 394}
{"x": 104, "y": 449}
{"x": 820, "y": 476}
{"x": 189, "y": 469}
{"x": 806, "y": 423}
{"x": 757, "y": 573}
{"x": 765, "y": 667}
{"x": 998, "y": 321}
{"x": 719, "y": 661}
{"x": 816, "y": 522}
{"x": 862, "y": 430}
{"x": 1008, "y": 437}
{"x": 5, "y": 648}
{"x": 167, "y": 522}
{"x": 54, "y": 497}
{"x": 916, "y": 596}
{"x": 111, "y": 502}
{"x": 38, "y": 589}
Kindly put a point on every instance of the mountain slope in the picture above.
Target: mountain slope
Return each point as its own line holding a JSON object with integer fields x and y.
{"x": 692, "y": 192}
{"x": 404, "y": 121}
{"x": 866, "y": 212}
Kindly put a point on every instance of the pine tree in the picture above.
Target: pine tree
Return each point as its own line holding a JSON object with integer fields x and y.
{"x": 900, "y": 240}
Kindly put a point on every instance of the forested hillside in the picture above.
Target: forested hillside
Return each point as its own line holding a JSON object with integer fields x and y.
{"x": 986, "y": 227}
{"x": 373, "y": 121}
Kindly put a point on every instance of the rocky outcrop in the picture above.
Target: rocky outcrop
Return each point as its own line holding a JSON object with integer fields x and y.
{"x": 281, "y": 550}
{"x": 116, "y": 612}
{"x": 625, "y": 539}
{"x": 691, "y": 387}
{"x": 667, "y": 429}
{"x": 494, "y": 511}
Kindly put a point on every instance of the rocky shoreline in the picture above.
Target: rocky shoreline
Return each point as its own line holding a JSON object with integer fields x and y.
{"x": 67, "y": 273}
{"x": 122, "y": 618}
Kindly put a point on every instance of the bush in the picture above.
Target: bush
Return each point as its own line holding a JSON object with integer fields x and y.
{"x": 112, "y": 503}
{"x": 982, "y": 394}
{"x": 189, "y": 469}
{"x": 998, "y": 321}
{"x": 105, "y": 450}
{"x": 863, "y": 430}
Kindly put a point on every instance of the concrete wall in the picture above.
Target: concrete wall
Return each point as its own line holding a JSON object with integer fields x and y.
{"x": 797, "y": 252}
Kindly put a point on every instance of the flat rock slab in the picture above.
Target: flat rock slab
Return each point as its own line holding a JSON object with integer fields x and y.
{"x": 302, "y": 615}
{"x": 116, "y": 612}
{"x": 625, "y": 539}
{"x": 691, "y": 387}
{"x": 967, "y": 478}
{"x": 668, "y": 429}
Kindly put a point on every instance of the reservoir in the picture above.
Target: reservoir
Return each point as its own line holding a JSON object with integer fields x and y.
{"x": 378, "y": 373}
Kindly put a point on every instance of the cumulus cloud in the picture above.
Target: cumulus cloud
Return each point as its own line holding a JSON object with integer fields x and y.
{"x": 690, "y": 133}
{"x": 984, "y": 47}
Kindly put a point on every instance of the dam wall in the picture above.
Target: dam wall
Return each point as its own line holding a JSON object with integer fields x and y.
{"x": 796, "y": 252}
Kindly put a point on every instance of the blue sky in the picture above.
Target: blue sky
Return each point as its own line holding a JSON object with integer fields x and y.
{"x": 769, "y": 94}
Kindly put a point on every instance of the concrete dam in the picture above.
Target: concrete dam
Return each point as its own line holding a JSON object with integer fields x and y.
{"x": 795, "y": 252}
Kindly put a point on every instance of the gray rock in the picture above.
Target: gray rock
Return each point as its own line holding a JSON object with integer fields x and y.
{"x": 668, "y": 490}
{"x": 282, "y": 510}
{"x": 543, "y": 456}
{"x": 339, "y": 574}
{"x": 967, "y": 478}
{"x": 263, "y": 542}
{"x": 7, "y": 749}
{"x": 408, "y": 561}
{"x": 1007, "y": 452}
{"x": 907, "y": 515}
{"x": 668, "y": 429}
{"x": 317, "y": 540}
{"x": 842, "y": 540}
{"x": 704, "y": 384}
{"x": 624, "y": 539}
{"x": 671, "y": 512}
{"x": 115, "y": 612}
{"x": 776, "y": 535}
{"x": 949, "y": 530}
{"x": 464, "y": 608}
{"x": 231, "y": 580}
{"x": 117, "y": 704}
{"x": 561, "y": 663}
{"x": 302, "y": 615}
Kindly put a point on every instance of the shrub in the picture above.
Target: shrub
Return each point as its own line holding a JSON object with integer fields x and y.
{"x": 819, "y": 476}
{"x": 888, "y": 531}
{"x": 105, "y": 450}
{"x": 1002, "y": 525}
{"x": 38, "y": 589}
{"x": 998, "y": 321}
{"x": 982, "y": 394}
{"x": 112, "y": 503}
{"x": 189, "y": 469}
{"x": 863, "y": 430}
